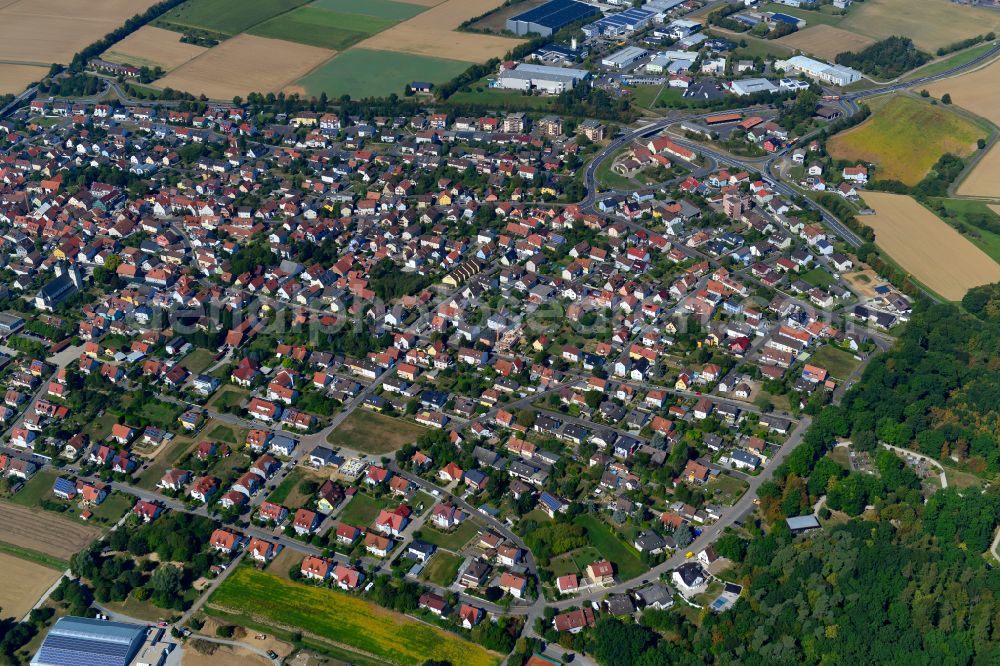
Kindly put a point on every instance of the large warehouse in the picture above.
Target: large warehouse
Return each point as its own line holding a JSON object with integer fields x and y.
{"x": 80, "y": 641}
{"x": 837, "y": 75}
{"x": 622, "y": 23}
{"x": 551, "y": 80}
{"x": 550, "y": 17}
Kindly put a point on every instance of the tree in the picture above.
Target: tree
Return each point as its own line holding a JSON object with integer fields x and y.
{"x": 946, "y": 98}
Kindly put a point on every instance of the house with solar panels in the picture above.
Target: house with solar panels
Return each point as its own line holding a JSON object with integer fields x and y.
{"x": 550, "y": 17}
{"x": 81, "y": 641}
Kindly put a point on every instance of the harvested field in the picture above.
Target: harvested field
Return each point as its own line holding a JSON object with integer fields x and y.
{"x": 15, "y": 78}
{"x": 905, "y": 136}
{"x": 432, "y": 33}
{"x": 825, "y": 41}
{"x": 153, "y": 47}
{"x": 976, "y": 91}
{"x": 245, "y": 64}
{"x": 984, "y": 179}
{"x": 932, "y": 251}
{"x": 24, "y": 584}
{"x": 929, "y": 23}
{"x": 46, "y": 533}
{"x": 364, "y": 73}
{"x": 47, "y": 31}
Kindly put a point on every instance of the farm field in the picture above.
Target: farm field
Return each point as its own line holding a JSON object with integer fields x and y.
{"x": 245, "y": 64}
{"x": 984, "y": 179}
{"x": 153, "y": 47}
{"x": 929, "y": 23}
{"x": 49, "y": 533}
{"x": 345, "y": 619}
{"x": 47, "y": 31}
{"x": 969, "y": 216}
{"x": 226, "y": 18}
{"x": 931, "y": 250}
{"x": 976, "y": 91}
{"x": 15, "y": 78}
{"x": 24, "y": 583}
{"x": 627, "y": 563}
{"x": 322, "y": 27}
{"x": 364, "y": 73}
{"x": 825, "y": 41}
{"x": 386, "y": 9}
{"x": 374, "y": 433}
{"x": 905, "y": 137}
{"x": 432, "y": 33}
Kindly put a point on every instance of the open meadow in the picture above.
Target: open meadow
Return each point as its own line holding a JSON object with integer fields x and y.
{"x": 244, "y": 64}
{"x": 46, "y": 532}
{"x": 364, "y": 73}
{"x": 343, "y": 619}
{"x": 905, "y": 136}
{"x": 153, "y": 47}
{"x": 24, "y": 583}
{"x": 225, "y": 18}
{"x": 924, "y": 245}
{"x": 825, "y": 41}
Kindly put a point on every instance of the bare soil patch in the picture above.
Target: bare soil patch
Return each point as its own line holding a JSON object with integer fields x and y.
{"x": 931, "y": 250}
{"x": 864, "y": 282}
{"x": 24, "y": 584}
{"x": 47, "y": 31}
{"x": 204, "y": 653}
{"x": 44, "y": 531}
{"x": 245, "y": 64}
{"x": 153, "y": 47}
{"x": 15, "y": 78}
{"x": 432, "y": 33}
{"x": 826, "y": 41}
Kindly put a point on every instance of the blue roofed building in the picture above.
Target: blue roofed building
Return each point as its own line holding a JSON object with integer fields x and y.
{"x": 80, "y": 641}
{"x": 550, "y": 17}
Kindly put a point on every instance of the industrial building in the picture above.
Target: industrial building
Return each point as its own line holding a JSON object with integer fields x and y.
{"x": 836, "y": 75}
{"x": 76, "y": 641}
{"x": 625, "y": 57}
{"x": 617, "y": 25}
{"x": 552, "y": 80}
{"x": 745, "y": 87}
{"x": 550, "y": 17}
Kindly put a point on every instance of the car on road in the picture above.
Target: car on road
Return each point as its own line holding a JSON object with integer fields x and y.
{"x": 689, "y": 554}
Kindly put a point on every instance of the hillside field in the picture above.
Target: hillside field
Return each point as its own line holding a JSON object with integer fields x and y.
{"x": 905, "y": 136}
{"x": 927, "y": 247}
{"x": 344, "y": 619}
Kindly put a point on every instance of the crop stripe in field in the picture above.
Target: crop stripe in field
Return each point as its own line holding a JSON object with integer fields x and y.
{"x": 35, "y": 556}
{"x": 267, "y": 622}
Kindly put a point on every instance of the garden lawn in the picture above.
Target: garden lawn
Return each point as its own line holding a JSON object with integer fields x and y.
{"x": 453, "y": 540}
{"x": 370, "y": 432}
{"x": 442, "y": 569}
{"x": 198, "y": 361}
{"x": 818, "y": 277}
{"x": 227, "y": 397}
{"x": 839, "y": 363}
{"x": 626, "y": 560}
{"x": 362, "y": 510}
{"x": 343, "y": 618}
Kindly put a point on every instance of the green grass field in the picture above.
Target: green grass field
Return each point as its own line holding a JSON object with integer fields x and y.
{"x": 198, "y": 361}
{"x": 442, "y": 569}
{"x": 575, "y": 561}
{"x": 374, "y": 433}
{"x": 362, "y": 510}
{"x": 227, "y": 397}
{"x": 818, "y": 277}
{"x": 34, "y": 556}
{"x": 839, "y": 363}
{"x": 481, "y": 93}
{"x": 322, "y": 27}
{"x": 343, "y": 618}
{"x": 453, "y": 540}
{"x": 363, "y": 73}
{"x": 386, "y": 9}
{"x": 905, "y": 136}
{"x": 624, "y": 557}
{"x": 225, "y": 17}
{"x": 954, "y": 60}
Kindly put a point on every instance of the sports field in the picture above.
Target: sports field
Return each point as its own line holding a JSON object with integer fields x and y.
{"x": 47, "y": 31}
{"x": 905, "y": 136}
{"x": 924, "y": 245}
{"x": 244, "y": 64}
{"x": 322, "y": 27}
{"x": 364, "y": 73}
{"x": 153, "y": 47}
{"x": 225, "y": 17}
{"x": 929, "y": 23}
{"x": 825, "y": 41}
{"x": 344, "y": 619}
{"x": 24, "y": 583}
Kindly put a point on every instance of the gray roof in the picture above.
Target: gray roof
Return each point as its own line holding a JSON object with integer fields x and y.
{"x": 79, "y": 641}
{"x": 802, "y": 522}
